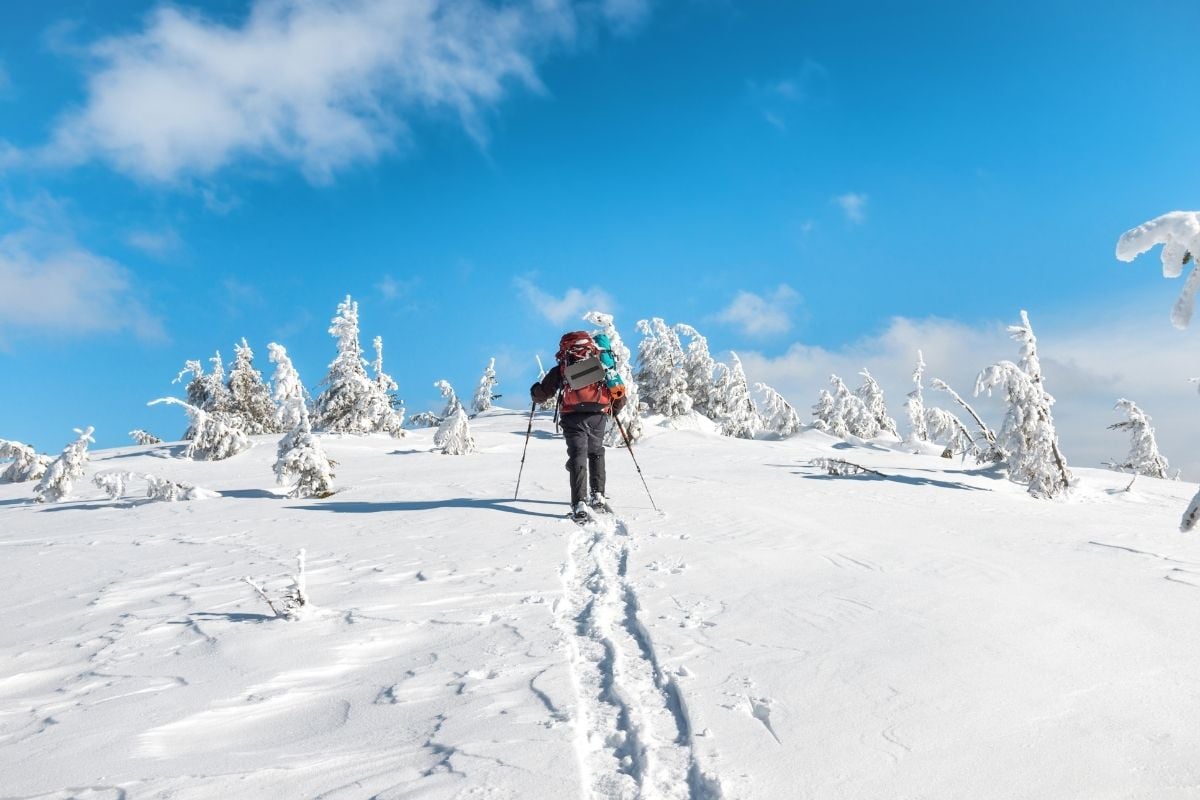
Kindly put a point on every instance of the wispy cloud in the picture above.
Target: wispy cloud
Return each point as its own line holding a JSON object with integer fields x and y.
{"x": 854, "y": 206}
{"x": 391, "y": 289}
{"x": 571, "y": 306}
{"x": 321, "y": 86}
{"x": 758, "y": 315}
{"x": 777, "y": 100}
{"x": 159, "y": 243}
{"x": 54, "y": 287}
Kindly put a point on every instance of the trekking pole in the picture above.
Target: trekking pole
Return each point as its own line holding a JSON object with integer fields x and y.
{"x": 528, "y": 432}
{"x": 629, "y": 447}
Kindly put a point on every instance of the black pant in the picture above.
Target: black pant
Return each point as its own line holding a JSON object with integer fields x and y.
{"x": 584, "y": 432}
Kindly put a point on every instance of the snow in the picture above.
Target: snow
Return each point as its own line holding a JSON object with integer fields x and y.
{"x": 778, "y": 632}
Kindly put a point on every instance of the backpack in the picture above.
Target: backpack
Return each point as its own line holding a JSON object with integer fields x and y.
{"x": 589, "y": 373}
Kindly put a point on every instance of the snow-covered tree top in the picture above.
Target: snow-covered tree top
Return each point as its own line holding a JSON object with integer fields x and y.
{"x": 1179, "y": 234}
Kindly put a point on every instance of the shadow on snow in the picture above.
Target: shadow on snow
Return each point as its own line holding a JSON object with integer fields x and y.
{"x": 487, "y": 504}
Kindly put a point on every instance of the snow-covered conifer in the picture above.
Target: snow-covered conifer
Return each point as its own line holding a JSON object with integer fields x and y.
{"x": 741, "y": 418}
{"x": 26, "y": 464}
{"x": 1028, "y": 432}
{"x": 249, "y": 397}
{"x": 351, "y": 402}
{"x": 62, "y": 473}
{"x": 1143, "y": 458}
{"x": 384, "y": 411}
{"x": 113, "y": 482}
{"x": 485, "y": 393}
{"x": 779, "y": 417}
{"x": 287, "y": 391}
{"x": 850, "y": 414}
{"x": 143, "y": 438}
{"x": 987, "y": 444}
{"x": 453, "y": 436}
{"x": 660, "y": 373}
{"x": 453, "y": 404}
{"x": 301, "y": 458}
{"x": 207, "y": 392}
{"x": 630, "y": 418}
{"x": 872, "y": 396}
{"x": 918, "y": 429}
{"x": 215, "y": 436}
{"x": 944, "y": 427}
{"x": 1179, "y": 234}
{"x": 552, "y": 401}
{"x": 824, "y": 418}
{"x": 698, "y": 369}
{"x": 170, "y": 491}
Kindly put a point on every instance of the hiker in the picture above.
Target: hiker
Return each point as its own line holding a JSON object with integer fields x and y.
{"x": 589, "y": 391}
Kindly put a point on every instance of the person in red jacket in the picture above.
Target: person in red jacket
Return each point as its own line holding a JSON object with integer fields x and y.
{"x": 584, "y": 412}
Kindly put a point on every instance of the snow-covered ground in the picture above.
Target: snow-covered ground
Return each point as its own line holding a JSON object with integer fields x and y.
{"x": 776, "y": 632}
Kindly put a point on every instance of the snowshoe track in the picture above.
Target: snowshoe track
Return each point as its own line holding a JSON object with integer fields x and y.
{"x": 633, "y": 732}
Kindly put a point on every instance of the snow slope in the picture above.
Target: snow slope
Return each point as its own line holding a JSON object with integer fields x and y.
{"x": 775, "y": 633}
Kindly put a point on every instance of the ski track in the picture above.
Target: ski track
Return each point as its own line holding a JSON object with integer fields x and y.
{"x": 633, "y": 730}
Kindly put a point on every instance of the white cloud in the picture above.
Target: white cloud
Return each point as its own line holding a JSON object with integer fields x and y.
{"x": 158, "y": 244}
{"x": 571, "y": 306}
{"x": 57, "y": 288}
{"x": 755, "y": 315}
{"x": 318, "y": 85}
{"x": 854, "y": 206}
{"x": 1130, "y": 352}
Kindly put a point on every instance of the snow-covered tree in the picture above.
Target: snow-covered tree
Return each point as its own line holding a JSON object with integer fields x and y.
{"x": 1179, "y": 234}
{"x": 660, "y": 373}
{"x": 1028, "y": 433}
{"x": 294, "y": 600}
{"x": 944, "y": 427}
{"x": 485, "y": 393}
{"x": 214, "y": 436}
{"x": 552, "y": 401}
{"x": 453, "y": 404}
{"x": 453, "y": 436}
{"x": 62, "y": 473}
{"x": 824, "y": 418}
{"x": 287, "y": 391}
{"x": 918, "y": 428}
{"x": 207, "y": 391}
{"x": 987, "y": 444}
{"x": 143, "y": 438}
{"x": 872, "y": 396}
{"x": 741, "y": 418}
{"x": 26, "y": 464}
{"x": 630, "y": 419}
{"x": 850, "y": 414}
{"x": 1143, "y": 458}
{"x": 352, "y": 402}
{"x": 698, "y": 370}
{"x": 384, "y": 409}
{"x": 779, "y": 417}
{"x": 249, "y": 397}
{"x": 301, "y": 458}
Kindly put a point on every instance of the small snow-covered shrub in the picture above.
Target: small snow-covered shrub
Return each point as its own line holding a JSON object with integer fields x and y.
{"x": 143, "y": 438}
{"x": 840, "y": 468}
{"x": 485, "y": 392}
{"x": 293, "y": 599}
{"x": 113, "y": 482}
{"x": 453, "y": 436}
{"x": 216, "y": 435}
{"x": 26, "y": 464}
{"x": 779, "y": 418}
{"x": 62, "y": 473}
{"x": 1143, "y": 457}
{"x": 300, "y": 457}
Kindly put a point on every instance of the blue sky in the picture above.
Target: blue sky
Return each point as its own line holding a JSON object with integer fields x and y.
{"x": 815, "y": 186}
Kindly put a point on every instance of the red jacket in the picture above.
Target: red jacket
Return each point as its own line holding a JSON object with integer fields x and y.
{"x": 594, "y": 399}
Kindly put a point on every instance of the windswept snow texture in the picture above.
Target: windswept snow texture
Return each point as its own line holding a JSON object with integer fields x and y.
{"x": 930, "y": 631}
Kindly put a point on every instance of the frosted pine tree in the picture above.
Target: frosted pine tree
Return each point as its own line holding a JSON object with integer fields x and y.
{"x": 383, "y": 409}
{"x": 872, "y": 396}
{"x": 301, "y": 458}
{"x": 143, "y": 438}
{"x": 987, "y": 444}
{"x": 453, "y": 404}
{"x": 741, "y": 418}
{"x": 215, "y": 436}
{"x": 660, "y": 372}
{"x": 249, "y": 397}
{"x": 62, "y": 473}
{"x": 552, "y": 402}
{"x": 779, "y": 417}
{"x": 1143, "y": 458}
{"x": 630, "y": 417}
{"x": 943, "y": 427}
{"x": 1028, "y": 432}
{"x": 207, "y": 391}
{"x": 485, "y": 393}
{"x": 1179, "y": 234}
{"x": 287, "y": 391}
{"x": 850, "y": 415}
{"x": 453, "y": 436}
{"x": 343, "y": 406}
{"x": 26, "y": 464}
{"x": 698, "y": 369}
{"x": 918, "y": 429}
{"x": 824, "y": 418}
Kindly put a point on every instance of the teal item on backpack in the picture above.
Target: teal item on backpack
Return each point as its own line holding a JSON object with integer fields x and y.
{"x": 611, "y": 376}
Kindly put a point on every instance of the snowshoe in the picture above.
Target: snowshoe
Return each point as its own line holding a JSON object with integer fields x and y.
{"x": 599, "y": 502}
{"x": 579, "y": 513}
